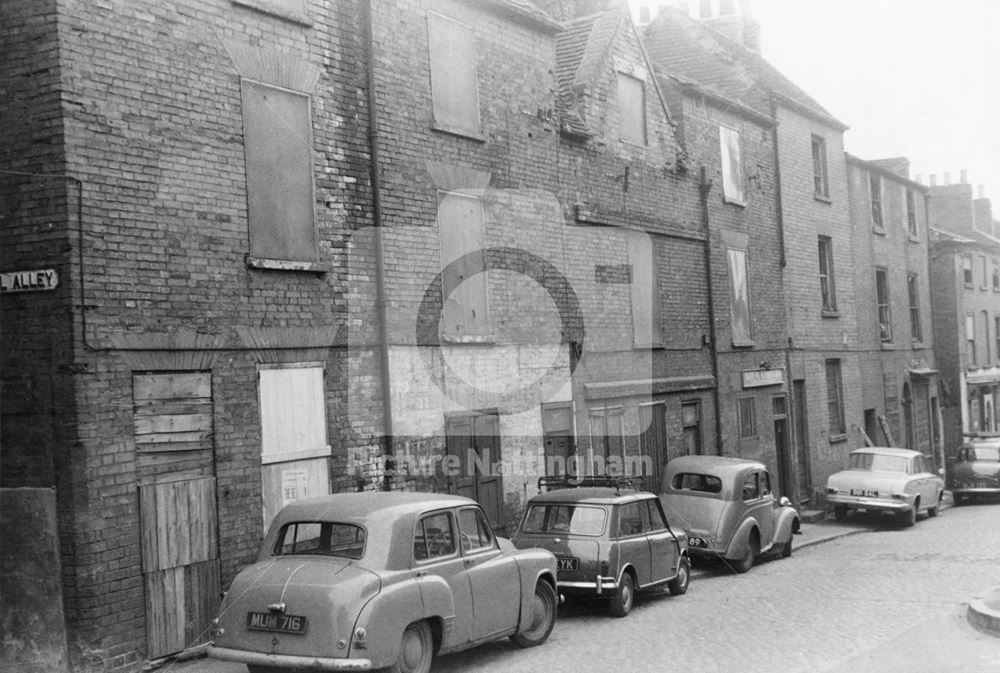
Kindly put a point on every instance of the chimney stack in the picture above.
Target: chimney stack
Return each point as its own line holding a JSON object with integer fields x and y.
{"x": 965, "y": 176}
{"x": 947, "y": 177}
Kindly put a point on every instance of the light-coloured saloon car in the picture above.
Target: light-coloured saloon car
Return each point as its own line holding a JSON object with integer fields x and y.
{"x": 884, "y": 479}
{"x": 363, "y": 581}
{"x": 728, "y": 508}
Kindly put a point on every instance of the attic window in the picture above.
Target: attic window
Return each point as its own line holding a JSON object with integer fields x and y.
{"x": 632, "y": 109}
{"x": 732, "y": 166}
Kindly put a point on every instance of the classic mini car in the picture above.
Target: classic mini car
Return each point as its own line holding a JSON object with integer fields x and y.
{"x": 362, "y": 581}
{"x": 608, "y": 542}
{"x": 729, "y": 509}
{"x": 883, "y": 479}
{"x": 974, "y": 470}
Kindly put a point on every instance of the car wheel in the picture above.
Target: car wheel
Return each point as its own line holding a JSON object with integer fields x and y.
{"x": 679, "y": 585}
{"x": 933, "y": 511}
{"x": 786, "y": 551}
{"x": 543, "y": 617}
{"x": 744, "y": 564}
{"x": 909, "y": 517}
{"x": 621, "y": 602}
{"x": 840, "y": 512}
{"x": 416, "y": 650}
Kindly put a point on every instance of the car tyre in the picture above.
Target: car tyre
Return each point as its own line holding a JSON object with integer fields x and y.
{"x": 786, "y": 551}
{"x": 909, "y": 517}
{"x": 744, "y": 564}
{"x": 621, "y": 602}
{"x": 544, "y": 607}
{"x": 679, "y": 585}
{"x": 416, "y": 649}
{"x": 840, "y": 512}
{"x": 936, "y": 509}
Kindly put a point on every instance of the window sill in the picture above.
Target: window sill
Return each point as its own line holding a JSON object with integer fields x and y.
{"x": 734, "y": 202}
{"x": 914, "y": 239}
{"x": 888, "y": 346}
{"x": 918, "y": 345}
{"x": 879, "y": 231}
{"x": 286, "y": 265}
{"x": 830, "y": 313}
{"x": 823, "y": 198}
{"x": 481, "y": 339}
{"x": 272, "y": 9}
{"x": 838, "y": 438}
{"x": 742, "y": 344}
{"x": 459, "y": 132}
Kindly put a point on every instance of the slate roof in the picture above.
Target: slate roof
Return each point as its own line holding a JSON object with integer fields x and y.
{"x": 525, "y": 11}
{"x": 680, "y": 45}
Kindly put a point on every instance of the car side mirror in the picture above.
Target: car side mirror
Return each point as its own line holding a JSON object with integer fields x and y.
{"x": 940, "y": 471}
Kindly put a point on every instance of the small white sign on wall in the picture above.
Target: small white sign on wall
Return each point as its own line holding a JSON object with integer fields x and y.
{"x": 294, "y": 485}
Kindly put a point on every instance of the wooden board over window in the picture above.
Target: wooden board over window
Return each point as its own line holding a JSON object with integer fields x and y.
{"x": 454, "y": 86}
{"x": 172, "y": 424}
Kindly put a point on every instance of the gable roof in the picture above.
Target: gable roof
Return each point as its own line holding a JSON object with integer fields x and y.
{"x": 680, "y": 45}
{"x": 523, "y": 11}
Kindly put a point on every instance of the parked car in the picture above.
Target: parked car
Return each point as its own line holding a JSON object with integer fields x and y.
{"x": 608, "y": 541}
{"x": 729, "y": 509}
{"x": 362, "y": 581}
{"x": 974, "y": 470}
{"x": 882, "y": 479}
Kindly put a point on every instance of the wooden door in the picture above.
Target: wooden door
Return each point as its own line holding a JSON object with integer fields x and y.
{"x": 173, "y": 431}
{"x": 475, "y": 441}
{"x": 653, "y": 444}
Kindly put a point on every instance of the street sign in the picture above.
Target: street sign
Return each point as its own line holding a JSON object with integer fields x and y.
{"x": 28, "y": 281}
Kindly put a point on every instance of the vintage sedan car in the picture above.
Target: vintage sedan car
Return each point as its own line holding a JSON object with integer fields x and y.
{"x": 885, "y": 479}
{"x": 974, "y": 470}
{"x": 363, "y": 581}
{"x": 729, "y": 509}
{"x": 609, "y": 542}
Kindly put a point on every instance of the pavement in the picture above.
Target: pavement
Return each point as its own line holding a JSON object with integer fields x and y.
{"x": 983, "y": 612}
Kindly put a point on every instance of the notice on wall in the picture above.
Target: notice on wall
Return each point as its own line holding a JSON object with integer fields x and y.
{"x": 28, "y": 281}
{"x": 294, "y": 485}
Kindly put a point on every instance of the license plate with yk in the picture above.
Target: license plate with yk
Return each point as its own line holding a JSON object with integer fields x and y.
{"x": 269, "y": 621}
{"x": 567, "y": 563}
{"x": 864, "y": 492}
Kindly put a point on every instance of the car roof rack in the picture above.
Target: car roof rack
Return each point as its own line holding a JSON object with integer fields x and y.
{"x": 557, "y": 482}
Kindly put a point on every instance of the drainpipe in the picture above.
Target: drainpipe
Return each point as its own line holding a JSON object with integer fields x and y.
{"x": 704, "y": 188}
{"x": 377, "y": 221}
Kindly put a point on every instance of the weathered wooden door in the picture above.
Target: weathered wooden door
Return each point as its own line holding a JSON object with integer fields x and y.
{"x": 475, "y": 441}
{"x": 177, "y": 508}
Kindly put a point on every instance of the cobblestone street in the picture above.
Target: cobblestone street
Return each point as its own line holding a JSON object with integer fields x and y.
{"x": 888, "y": 599}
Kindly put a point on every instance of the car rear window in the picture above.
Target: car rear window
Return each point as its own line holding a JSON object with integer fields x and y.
{"x": 878, "y": 462}
{"x": 985, "y": 453}
{"x": 566, "y": 519}
{"x": 702, "y": 483}
{"x": 325, "y": 538}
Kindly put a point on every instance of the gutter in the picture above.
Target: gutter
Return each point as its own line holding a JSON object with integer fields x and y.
{"x": 704, "y": 188}
{"x": 377, "y": 220}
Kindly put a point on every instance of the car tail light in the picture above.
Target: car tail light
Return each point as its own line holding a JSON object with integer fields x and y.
{"x": 899, "y": 496}
{"x": 831, "y": 490}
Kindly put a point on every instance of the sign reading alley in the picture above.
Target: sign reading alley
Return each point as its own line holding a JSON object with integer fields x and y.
{"x": 28, "y": 281}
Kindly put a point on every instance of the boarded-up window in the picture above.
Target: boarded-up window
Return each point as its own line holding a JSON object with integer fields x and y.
{"x": 278, "y": 145}
{"x": 464, "y": 281}
{"x": 646, "y": 330}
{"x": 172, "y": 422}
{"x": 632, "y": 109}
{"x": 739, "y": 296}
{"x": 294, "y": 450}
{"x": 607, "y": 437}
{"x": 732, "y": 165}
{"x": 454, "y": 86}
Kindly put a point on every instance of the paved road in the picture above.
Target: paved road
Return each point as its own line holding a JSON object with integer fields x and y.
{"x": 885, "y": 600}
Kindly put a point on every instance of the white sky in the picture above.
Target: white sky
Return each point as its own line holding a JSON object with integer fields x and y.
{"x": 914, "y": 78}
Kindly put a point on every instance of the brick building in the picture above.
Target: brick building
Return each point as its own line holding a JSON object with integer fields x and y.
{"x": 890, "y": 253}
{"x": 965, "y": 280}
{"x": 184, "y": 176}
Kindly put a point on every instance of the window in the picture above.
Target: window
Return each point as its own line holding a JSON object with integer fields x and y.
{"x": 986, "y": 335}
{"x": 320, "y": 537}
{"x": 882, "y": 296}
{"x": 913, "y": 290}
{"x": 835, "y": 398}
{"x": 751, "y": 487}
{"x": 656, "y": 519}
{"x": 702, "y": 483}
{"x": 747, "y": 417}
{"x": 607, "y": 434}
{"x": 739, "y": 297}
{"x": 911, "y": 214}
{"x": 820, "y": 183}
{"x": 691, "y": 425}
{"x": 434, "y": 537}
{"x": 464, "y": 286}
{"x": 967, "y": 270}
{"x": 630, "y": 519}
{"x": 970, "y": 339}
{"x": 573, "y": 519}
{"x": 827, "y": 287}
{"x": 875, "y": 190}
{"x": 454, "y": 83}
{"x": 732, "y": 166}
{"x": 996, "y": 276}
{"x": 475, "y": 530}
{"x": 996, "y": 335}
{"x": 277, "y": 140}
{"x": 632, "y": 109}
{"x": 986, "y": 273}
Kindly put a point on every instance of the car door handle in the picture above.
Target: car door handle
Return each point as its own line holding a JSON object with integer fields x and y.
{"x": 470, "y": 561}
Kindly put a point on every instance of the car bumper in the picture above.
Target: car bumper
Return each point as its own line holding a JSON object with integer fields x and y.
{"x": 290, "y": 662}
{"x": 870, "y": 504}
{"x": 599, "y": 586}
{"x": 975, "y": 490}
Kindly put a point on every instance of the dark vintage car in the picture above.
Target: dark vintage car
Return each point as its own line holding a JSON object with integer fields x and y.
{"x": 973, "y": 470}
{"x": 363, "y": 581}
{"x": 608, "y": 541}
{"x": 886, "y": 479}
{"x": 729, "y": 509}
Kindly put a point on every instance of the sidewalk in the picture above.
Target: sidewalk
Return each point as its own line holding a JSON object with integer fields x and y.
{"x": 811, "y": 534}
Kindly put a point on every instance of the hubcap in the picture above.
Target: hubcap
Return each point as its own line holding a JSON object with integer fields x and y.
{"x": 413, "y": 649}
